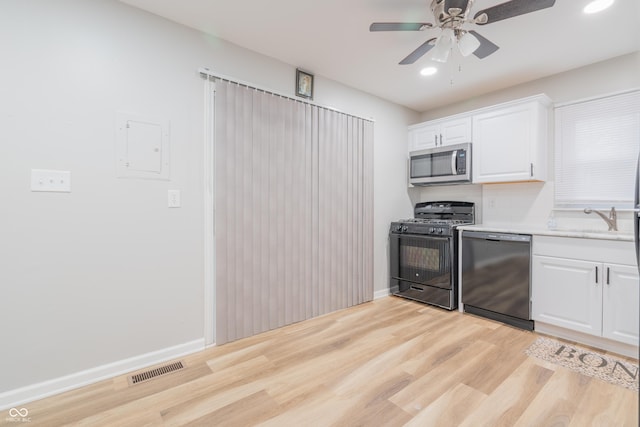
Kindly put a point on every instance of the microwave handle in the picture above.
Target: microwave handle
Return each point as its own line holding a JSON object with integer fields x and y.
{"x": 454, "y": 162}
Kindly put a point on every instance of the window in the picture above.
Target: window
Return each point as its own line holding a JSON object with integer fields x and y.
{"x": 596, "y": 152}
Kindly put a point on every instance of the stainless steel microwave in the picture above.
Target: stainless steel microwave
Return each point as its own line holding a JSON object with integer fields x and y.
{"x": 443, "y": 165}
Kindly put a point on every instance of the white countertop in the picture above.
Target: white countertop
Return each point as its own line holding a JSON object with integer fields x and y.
{"x": 539, "y": 231}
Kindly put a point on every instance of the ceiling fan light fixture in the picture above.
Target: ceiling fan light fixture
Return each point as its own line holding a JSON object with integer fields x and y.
{"x": 467, "y": 43}
{"x": 440, "y": 54}
{"x": 597, "y": 6}
{"x": 443, "y": 45}
{"x": 451, "y": 16}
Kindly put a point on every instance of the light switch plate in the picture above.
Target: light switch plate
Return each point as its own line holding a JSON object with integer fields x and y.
{"x": 173, "y": 199}
{"x": 50, "y": 180}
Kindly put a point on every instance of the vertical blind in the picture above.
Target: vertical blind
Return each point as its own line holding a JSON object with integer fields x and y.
{"x": 597, "y": 143}
{"x": 293, "y": 210}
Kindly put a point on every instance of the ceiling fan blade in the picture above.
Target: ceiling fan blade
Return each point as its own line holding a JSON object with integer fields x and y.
{"x": 460, "y": 4}
{"x": 486, "y": 47}
{"x": 417, "y": 54}
{"x": 399, "y": 26}
{"x": 510, "y": 9}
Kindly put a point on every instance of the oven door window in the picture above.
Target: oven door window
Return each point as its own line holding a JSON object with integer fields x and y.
{"x": 425, "y": 260}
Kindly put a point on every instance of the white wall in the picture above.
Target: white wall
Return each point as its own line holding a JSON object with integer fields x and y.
{"x": 531, "y": 203}
{"x": 592, "y": 80}
{"x": 107, "y": 272}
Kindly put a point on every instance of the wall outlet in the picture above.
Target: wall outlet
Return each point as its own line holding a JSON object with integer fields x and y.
{"x": 50, "y": 180}
{"x": 173, "y": 199}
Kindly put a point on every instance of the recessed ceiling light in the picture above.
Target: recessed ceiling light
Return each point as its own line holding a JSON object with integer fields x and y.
{"x": 428, "y": 71}
{"x": 597, "y": 6}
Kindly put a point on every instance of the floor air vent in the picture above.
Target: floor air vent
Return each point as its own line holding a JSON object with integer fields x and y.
{"x": 162, "y": 370}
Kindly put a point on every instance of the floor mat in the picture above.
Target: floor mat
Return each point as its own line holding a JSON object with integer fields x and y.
{"x": 586, "y": 361}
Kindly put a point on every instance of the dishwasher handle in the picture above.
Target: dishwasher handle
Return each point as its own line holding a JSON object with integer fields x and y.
{"x": 510, "y": 237}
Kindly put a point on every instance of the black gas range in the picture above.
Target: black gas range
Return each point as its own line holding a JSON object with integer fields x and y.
{"x": 424, "y": 255}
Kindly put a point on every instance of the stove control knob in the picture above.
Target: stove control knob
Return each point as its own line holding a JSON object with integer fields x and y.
{"x": 404, "y": 228}
{"x": 399, "y": 228}
{"x": 432, "y": 230}
{"x": 441, "y": 230}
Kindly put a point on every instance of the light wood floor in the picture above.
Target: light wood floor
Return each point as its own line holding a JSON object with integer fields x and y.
{"x": 391, "y": 362}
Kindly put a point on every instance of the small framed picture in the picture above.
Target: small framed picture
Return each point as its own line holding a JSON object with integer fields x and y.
{"x": 304, "y": 84}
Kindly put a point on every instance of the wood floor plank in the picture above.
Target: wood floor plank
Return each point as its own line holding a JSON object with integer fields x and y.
{"x": 429, "y": 387}
{"x": 556, "y": 403}
{"x": 245, "y": 412}
{"x": 140, "y": 418}
{"x": 440, "y": 346}
{"x": 320, "y": 408}
{"x": 390, "y": 362}
{"x": 203, "y": 407}
{"x": 327, "y": 369}
{"x": 447, "y": 410}
{"x": 376, "y": 369}
{"x": 506, "y": 404}
{"x": 506, "y": 357}
{"x": 218, "y": 362}
{"x": 604, "y": 404}
{"x": 377, "y": 413}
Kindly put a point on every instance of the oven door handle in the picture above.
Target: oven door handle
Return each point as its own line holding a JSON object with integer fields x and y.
{"x": 438, "y": 238}
{"x": 454, "y": 162}
{"x": 399, "y": 236}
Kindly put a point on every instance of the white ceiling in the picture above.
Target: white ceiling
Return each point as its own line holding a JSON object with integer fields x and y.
{"x": 331, "y": 38}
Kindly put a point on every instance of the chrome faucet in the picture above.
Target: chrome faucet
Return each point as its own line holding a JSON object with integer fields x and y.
{"x": 612, "y": 220}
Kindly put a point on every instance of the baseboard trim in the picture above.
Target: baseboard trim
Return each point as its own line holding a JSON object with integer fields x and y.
{"x": 586, "y": 339}
{"x": 21, "y": 396}
{"x": 382, "y": 293}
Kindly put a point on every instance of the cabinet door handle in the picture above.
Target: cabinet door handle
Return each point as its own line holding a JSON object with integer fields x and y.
{"x": 531, "y": 170}
{"x": 440, "y": 139}
{"x": 435, "y": 139}
{"x": 596, "y": 275}
{"x": 608, "y": 269}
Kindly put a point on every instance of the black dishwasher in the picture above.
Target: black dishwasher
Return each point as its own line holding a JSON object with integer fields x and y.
{"x": 496, "y": 277}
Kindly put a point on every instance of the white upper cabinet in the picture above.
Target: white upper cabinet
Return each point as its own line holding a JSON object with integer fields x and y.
{"x": 439, "y": 133}
{"x": 510, "y": 141}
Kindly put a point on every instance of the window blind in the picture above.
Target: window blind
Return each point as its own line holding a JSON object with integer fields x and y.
{"x": 596, "y": 151}
{"x": 294, "y": 211}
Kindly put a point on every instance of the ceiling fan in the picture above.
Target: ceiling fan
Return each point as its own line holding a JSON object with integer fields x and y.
{"x": 450, "y": 17}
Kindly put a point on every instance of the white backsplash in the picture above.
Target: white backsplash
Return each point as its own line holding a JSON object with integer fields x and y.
{"x": 527, "y": 204}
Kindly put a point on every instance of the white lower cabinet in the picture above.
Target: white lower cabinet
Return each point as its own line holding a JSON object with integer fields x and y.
{"x": 565, "y": 294}
{"x": 620, "y": 299}
{"x": 578, "y": 286}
